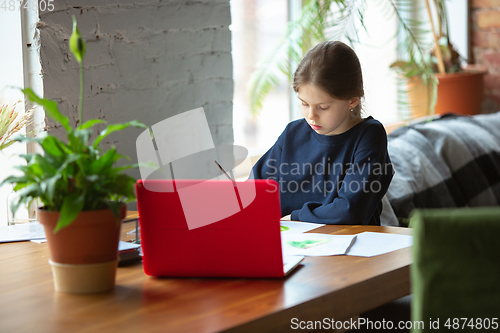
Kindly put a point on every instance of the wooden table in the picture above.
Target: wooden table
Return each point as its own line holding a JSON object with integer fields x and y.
{"x": 322, "y": 287}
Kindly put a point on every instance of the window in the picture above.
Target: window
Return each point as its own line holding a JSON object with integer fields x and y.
{"x": 256, "y": 26}
{"x": 376, "y": 52}
{"x": 20, "y": 67}
{"x": 12, "y": 75}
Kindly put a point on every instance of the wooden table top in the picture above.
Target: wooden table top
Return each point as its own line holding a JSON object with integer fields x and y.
{"x": 322, "y": 287}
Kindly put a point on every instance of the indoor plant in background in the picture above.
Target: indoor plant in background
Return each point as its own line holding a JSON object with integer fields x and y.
{"x": 13, "y": 117}
{"x": 82, "y": 192}
{"x": 12, "y": 120}
{"x": 460, "y": 90}
{"x": 322, "y": 20}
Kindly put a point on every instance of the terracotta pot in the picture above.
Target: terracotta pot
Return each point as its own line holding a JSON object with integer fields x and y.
{"x": 459, "y": 93}
{"x": 89, "y": 244}
{"x": 417, "y": 98}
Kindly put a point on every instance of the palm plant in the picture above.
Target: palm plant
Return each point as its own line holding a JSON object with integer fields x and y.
{"x": 322, "y": 20}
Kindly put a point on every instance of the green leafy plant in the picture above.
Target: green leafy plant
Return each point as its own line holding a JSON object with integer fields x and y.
{"x": 439, "y": 57}
{"x": 73, "y": 176}
{"x": 323, "y": 20}
{"x": 443, "y": 57}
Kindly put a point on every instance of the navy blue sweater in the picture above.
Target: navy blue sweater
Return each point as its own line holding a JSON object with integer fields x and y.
{"x": 338, "y": 179}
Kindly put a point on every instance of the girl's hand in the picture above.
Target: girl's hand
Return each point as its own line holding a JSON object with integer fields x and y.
{"x": 285, "y": 218}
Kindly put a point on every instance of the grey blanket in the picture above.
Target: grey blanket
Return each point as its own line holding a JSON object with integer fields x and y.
{"x": 450, "y": 162}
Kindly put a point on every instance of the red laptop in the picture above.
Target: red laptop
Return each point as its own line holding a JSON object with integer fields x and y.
{"x": 211, "y": 228}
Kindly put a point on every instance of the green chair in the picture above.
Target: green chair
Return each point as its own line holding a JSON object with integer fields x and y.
{"x": 455, "y": 274}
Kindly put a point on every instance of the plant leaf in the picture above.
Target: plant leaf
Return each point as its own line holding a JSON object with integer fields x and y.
{"x": 105, "y": 162}
{"x": 25, "y": 193}
{"x": 82, "y": 136}
{"x": 54, "y": 147}
{"x": 71, "y": 207}
{"x": 26, "y": 139}
{"x": 7, "y": 144}
{"x": 115, "y": 208}
{"x": 14, "y": 179}
{"x": 90, "y": 123}
{"x": 116, "y": 127}
{"x": 47, "y": 169}
{"x": 49, "y": 106}
{"x": 50, "y": 186}
{"x": 135, "y": 165}
{"x": 69, "y": 159}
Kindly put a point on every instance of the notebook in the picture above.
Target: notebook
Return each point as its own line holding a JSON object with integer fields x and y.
{"x": 211, "y": 228}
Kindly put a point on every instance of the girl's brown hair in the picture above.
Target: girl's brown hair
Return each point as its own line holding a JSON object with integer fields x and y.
{"x": 334, "y": 67}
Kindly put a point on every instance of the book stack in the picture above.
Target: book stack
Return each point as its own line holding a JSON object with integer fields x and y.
{"x": 128, "y": 253}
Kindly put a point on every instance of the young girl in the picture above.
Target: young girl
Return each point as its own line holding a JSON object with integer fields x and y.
{"x": 332, "y": 166}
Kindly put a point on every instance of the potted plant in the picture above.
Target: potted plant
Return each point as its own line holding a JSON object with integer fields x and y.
{"x": 82, "y": 191}
{"x": 320, "y": 20}
{"x": 459, "y": 90}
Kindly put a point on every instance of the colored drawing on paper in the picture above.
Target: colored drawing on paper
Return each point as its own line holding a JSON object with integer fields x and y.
{"x": 284, "y": 228}
{"x": 306, "y": 244}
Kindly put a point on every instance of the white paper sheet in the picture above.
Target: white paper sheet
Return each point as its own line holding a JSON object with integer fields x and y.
{"x": 315, "y": 244}
{"x": 290, "y": 227}
{"x": 122, "y": 246}
{"x": 21, "y": 232}
{"x": 39, "y": 241}
{"x": 369, "y": 244}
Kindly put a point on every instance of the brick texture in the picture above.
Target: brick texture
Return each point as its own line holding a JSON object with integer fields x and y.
{"x": 486, "y": 48}
{"x": 146, "y": 60}
{"x": 486, "y": 39}
{"x": 489, "y": 19}
{"x": 492, "y": 60}
{"x": 485, "y": 3}
{"x": 492, "y": 81}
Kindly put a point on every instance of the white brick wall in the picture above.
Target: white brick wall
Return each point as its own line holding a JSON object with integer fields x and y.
{"x": 146, "y": 60}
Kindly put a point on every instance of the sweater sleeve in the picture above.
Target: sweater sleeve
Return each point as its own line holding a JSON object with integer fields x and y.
{"x": 360, "y": 193}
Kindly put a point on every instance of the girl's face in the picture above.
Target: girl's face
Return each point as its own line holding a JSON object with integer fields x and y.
{"x": 325, "y": 114}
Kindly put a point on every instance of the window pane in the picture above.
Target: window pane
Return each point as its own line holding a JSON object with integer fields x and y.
{"x": 376, "y": 52}
{"x": 11, "y": 69}
{"x": 257, "y": 26}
